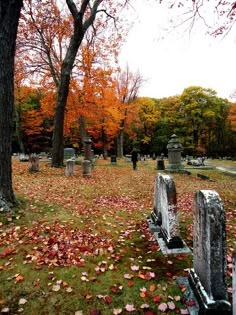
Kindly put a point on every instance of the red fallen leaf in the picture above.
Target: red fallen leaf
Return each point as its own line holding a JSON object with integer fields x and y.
{"x": 168, "y": 274}
{"x": 191, "y": 303}
{"x": 113, "y": 290}
{"x": 95, "y": 312}
{"x": 130, "y": 284}
{"x": 8, "y": 251}
{"x": 108, "y": 299}
{"x": 157, "y": 299}
{"x": 149, "y": 313}
{"x": 19, "y": 278}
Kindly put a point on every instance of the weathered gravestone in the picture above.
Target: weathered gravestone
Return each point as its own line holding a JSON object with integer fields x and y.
{"x": 208, "y": 276}
{"x": 86, "y": 168}
{"x": 165, "y": 212}
{"x": 69, "y": 154}
{"x": 160, "y": 162}
{"x": 70, "y": 168}
{"x": 33, "y": 163}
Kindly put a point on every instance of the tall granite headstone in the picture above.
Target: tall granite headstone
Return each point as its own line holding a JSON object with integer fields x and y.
{"x": 208, "y": 276}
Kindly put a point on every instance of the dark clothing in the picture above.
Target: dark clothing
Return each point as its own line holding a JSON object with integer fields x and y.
{"x": 134, "y": 159}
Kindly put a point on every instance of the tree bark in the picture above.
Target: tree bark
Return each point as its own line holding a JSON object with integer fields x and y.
{"x": 9, "y": 18}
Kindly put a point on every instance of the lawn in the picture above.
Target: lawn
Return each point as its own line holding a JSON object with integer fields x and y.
{"x": 80, "y": 245}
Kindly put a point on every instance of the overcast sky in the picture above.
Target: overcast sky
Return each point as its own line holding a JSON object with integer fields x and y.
{"x": 174, "y": 60}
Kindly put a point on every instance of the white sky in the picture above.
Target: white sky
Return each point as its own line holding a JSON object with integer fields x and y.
{"x": 173, "y": 61}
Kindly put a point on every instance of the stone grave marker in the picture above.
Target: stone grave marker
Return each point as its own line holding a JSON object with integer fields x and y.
{"x": 69, "y": 153}
{"x": 70, "y": 168}
{"x": 208, "y": 276}
{"x": 33, "y": 163}
{"x": 86, "y": 168}
{"x": 164, "y": 222}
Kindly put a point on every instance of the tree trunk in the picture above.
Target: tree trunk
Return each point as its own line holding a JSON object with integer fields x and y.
{"x": 18, "y": 130}
{"x": 80, "y": 29}
{"x": 120, "y": 143}
{"x": 9, "y": 18}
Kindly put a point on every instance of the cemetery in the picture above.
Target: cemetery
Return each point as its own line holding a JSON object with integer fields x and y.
{"x": 103, "y": 239}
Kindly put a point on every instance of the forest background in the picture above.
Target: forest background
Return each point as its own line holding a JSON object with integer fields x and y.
{"x": 103, "y": 101}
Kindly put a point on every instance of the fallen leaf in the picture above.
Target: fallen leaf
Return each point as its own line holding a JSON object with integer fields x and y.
{"x": 117, "y": 311}
{"x": 22, "y": 301}
{"x": 19, "y": 278}
{"x": 162, "y": 307}
{"x": 152, "y": 287}
{"x": 130, "y": 308}
{"x": 156, "y": 299}
{"x": 56, "y": 287}
{"x": 171, "y": 305}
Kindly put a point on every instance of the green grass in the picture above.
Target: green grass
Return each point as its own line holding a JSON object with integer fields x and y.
{"x": 110, "y": 208}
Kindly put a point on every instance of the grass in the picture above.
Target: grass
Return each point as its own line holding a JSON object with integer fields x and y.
{"x": 82, "y": 244}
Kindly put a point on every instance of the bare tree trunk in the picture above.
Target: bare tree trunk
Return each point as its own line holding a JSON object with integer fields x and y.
{"x": 9, "y": 18}
{"x": 120, "y": 143}
{"x": 18, "y": 131}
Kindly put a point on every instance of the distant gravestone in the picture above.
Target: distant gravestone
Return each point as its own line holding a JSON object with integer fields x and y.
{"x": 167, "y": 203}
{"x": 33, "y": 163}
{"x": 208, "y": 276}
{"x": 69, "y": 153}
{"x": 113, "y": 159}
{"x": 86, "y": 168}
{"x": 70, "y": 168}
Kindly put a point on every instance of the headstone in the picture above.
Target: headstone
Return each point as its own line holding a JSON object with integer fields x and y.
{"x": 113, "y": 159}
{"x": 208, "y": 276}
{"x": 70, "y": 168}
{"x": 33, "y": 163}
{"x": 23, "y": 157}
{"x": 174, "y": 155}
{"x": 167, "y": 202}
{"x": 69, "y": 153}
{"x": 86, "y": 168}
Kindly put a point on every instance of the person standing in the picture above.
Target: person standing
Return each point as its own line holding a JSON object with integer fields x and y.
{"x": 134, "y": 158}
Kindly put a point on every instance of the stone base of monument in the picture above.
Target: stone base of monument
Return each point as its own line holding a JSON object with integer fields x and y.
{"x": 169, "y": 251}
{"x": 155, "y": 230}
{"x": 206, "y": 305}
{"x": 171, "y": 242}
{"x": 175, "y": 168}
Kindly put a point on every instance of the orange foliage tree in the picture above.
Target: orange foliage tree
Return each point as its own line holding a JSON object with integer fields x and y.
{"x": 54, "y": 49}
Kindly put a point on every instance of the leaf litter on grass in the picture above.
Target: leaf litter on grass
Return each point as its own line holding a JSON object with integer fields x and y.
{"x": 93, "y": 234}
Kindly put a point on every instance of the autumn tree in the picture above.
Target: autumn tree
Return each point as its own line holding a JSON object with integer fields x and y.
{"x": 149, "y": 115}
{"x": 9, "y": 18}
{"x": 128, "y": 85}
{"x": 82, "y": 18}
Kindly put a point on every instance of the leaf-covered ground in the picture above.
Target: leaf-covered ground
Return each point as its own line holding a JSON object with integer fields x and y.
{"x": 82, "y": 245}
